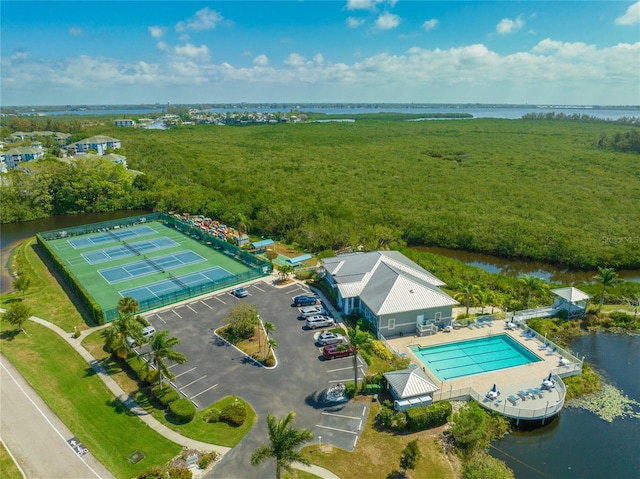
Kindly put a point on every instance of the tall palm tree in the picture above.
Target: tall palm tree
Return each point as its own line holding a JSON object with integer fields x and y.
{"x": 268, "y": 329}
{"x": 162, "y": 349}
{"x": 285, "y": 440}
{"x": 125, "y": 325}
{"x": 128, "y": 305}
{"x": 532, "y": 283}
{"x": 358, "y": 339}
{"x": 607, "y": 277}
{"x": 468, "y": 294}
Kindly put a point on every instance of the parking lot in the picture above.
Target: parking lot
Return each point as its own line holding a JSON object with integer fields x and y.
{"x": 298, "y": 383}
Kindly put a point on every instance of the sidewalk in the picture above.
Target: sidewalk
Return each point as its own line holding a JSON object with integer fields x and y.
{"x": 153, "y": 423}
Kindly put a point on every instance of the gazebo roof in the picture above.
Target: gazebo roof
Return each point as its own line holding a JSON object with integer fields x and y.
{"x": 408, "y": 383}
{"x": 572, "y": 295}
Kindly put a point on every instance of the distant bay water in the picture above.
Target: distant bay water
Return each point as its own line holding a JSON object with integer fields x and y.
{"x": 504, "y": 112}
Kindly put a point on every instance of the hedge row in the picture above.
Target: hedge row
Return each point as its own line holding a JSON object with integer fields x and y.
{"x": 426, "y": 417}
{"x": 94, "y": 309}
{"x": 182, "y": 410}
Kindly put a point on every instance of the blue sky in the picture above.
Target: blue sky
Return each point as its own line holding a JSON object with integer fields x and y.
{"x": 122, "y": 52}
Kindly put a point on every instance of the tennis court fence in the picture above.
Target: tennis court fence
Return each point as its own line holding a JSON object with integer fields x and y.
{"x": 102, "y": 227}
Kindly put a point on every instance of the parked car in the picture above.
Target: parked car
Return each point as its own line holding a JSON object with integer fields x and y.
{"x": 331, "y": 351}
{"x": 304, "y": 300}
{"x": 330, "y": 338}
{"x": 308, "y": 311}
{"x": 240, "y": 293}
{"x": 319, "y": 321}
{"x": 147, "y": 333}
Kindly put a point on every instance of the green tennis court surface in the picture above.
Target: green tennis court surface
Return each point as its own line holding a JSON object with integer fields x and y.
{"x": 171, "y": 263}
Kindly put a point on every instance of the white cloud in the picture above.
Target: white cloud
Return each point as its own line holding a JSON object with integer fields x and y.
{"x": 21, "y": 55}
{"x": 157, "y": 32}
{"x": 361, "y": 4}
{"x": 295, "y": 60}
{"x": 430, "y": 24}
{"x": 631, "y": 16}
{"x": 162, "y": 46}
{"x": 508, "y": 26}
{"x": 191, "y": 51}
{"x": 387, "y": 21}
{"x": 318, "y": 59}
{"x": 204, "y": 19}
{"x": 353, "y": 22}
{"x": 261, "y": 61}
{"x": 74, "y": 31}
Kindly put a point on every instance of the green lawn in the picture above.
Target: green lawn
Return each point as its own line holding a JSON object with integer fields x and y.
{"x": 8, "y": 468}
{"x": 79, "y": 397}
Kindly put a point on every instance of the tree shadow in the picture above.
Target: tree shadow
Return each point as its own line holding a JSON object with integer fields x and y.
{"x": 10, "y": 334}
{"x": 14, "y": 299}
{"x": 319, "y": 400}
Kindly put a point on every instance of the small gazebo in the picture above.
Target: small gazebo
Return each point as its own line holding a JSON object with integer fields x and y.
{"x": 410, "y": 387}
{"x": 571, "y": 300}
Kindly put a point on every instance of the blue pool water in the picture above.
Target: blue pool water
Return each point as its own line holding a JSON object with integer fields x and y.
{"x": 475, "y": 356}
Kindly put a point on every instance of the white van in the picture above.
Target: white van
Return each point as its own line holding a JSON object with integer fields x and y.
{"x": 309, "y": 311}
{"x": 147, "y": 332}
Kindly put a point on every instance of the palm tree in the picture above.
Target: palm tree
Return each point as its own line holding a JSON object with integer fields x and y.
{"x": 533, "y": 283}
{"x": 125, "y": 325}
{"x": 284, "y": 271}
{"x": 359, "y": 339}
{"x": 161, "y": 349}
{"x": 468, "y": 294}
{"x": 128, "y": 305}
{"x": 268, "y": 329}
{"x": 607, "y": 277}
{"x": 285, "y": 440}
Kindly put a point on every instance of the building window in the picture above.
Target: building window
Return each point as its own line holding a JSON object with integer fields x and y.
{"x": 438, "y": 316}
{"x": 421, "y": 319}
{"x": 392, "y": 323}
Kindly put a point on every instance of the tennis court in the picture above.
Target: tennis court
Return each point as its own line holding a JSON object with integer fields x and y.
{"x": 148, "y": 266}
{"x": 170, "y": 262}
{"x": 125, "y": 250}
{"x": 177, "y": 284}
{"x": 110, "y": 236}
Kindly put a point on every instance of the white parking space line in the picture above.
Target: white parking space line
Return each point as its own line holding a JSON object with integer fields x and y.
{"x": 336, "y": 429}
{"x": 202, "y": 392}
{"x": 340, "y": 380}
{"x": 185, "y": 372}
{"x": 206, "y": 305}
{"x": 355, "y": 418}
{"x": 218, "y": 298}
{"x": 339, "y": 369}
{"x": 192, "y": 309}
{"x": 364, "y": 410}
{"x": 176, "y": 313}
{"x": 192, "y": 382}
{"x": 258, "y": 288}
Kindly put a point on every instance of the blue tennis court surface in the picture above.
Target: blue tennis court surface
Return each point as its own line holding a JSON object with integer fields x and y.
{"x": 110, "y": 236}
{"x": 475, "y": 356}
{"x": 128, "y": 249}
{"x": 177, "y": 284}
{"x": 149, "y": 266}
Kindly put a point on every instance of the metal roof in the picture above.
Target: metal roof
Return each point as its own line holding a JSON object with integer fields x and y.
{"x": 408, "y": 383}
{"x": 571, "y": 294}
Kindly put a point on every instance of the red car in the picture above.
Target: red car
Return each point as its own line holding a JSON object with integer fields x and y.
{"x": 331, "y": 351}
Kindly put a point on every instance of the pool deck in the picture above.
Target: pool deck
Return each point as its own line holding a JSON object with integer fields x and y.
{"x": 508, "y": 381}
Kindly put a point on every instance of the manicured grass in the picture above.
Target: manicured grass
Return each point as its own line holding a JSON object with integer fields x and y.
{"x": 300, "y": 475}
{"x": 46, "y": 298}
{"x": 8, "y": 468}
{"x": 378, "y": 453}
{"x": 79, "y": 397}
{"x": 214, "y": 433}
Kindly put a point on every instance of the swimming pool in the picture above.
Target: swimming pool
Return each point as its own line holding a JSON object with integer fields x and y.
{"x": 475, "y": 356}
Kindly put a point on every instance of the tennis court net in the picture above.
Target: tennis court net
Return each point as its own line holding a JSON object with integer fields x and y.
{"x": 155, "y": 265}
{"x": 130, "y": 248}
{"x": 179, "y": 283}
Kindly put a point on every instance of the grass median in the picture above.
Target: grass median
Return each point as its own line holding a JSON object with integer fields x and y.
{"x": 81, "y": 400}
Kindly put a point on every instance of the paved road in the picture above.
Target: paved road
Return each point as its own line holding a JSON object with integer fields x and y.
{"x": 298, "y": 383}
{"x": 36, "y": 437}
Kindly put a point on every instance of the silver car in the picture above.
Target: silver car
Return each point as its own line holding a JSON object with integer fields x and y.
{"x": 319, "y": 321}
{"x": 330, "y": 338}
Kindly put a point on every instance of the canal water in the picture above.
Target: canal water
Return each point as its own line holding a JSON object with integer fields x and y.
{"x": 11, "y": 234}
{"x": 579, "y": 444}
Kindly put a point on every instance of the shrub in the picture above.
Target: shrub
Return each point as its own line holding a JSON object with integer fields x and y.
{"x": 206, "y": 459}
{"x": 621, "y": 319}
{"x": 427, "y": 417}
{"x": 234, "y": 415}
{"x": 151, "y": 376}
{"x": 139, "y": 367}
{"x": 166, "y": 395}
{"x": 482, "y": 465}
{"x": 386, "y": 417}
{"x": 182, "y": 410}
{"x": 156, "y": 472}
{"x": 350, "y": 389}
{"x": 212, "y": 415}
{"x": 380, "y": 350}
{"x": 399, "y": 421}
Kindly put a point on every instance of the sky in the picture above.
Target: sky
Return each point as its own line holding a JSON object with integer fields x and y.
{"x": 349, "y": 51}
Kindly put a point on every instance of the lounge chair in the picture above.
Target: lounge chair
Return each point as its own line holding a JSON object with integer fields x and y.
{"x": 470, "y": 326}
{"x": 513, "y": 399}
{"x": 543, "y": 346}
{"x": 552, "y": 351}
{"x": 535, "y": 392}
{"x": 523, "y": 395}
{"x": 488, "y": 321}
{"x": 526, "y": 332}
{"x": 478, "y": 322}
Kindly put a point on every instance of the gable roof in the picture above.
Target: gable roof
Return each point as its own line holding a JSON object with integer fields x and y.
{"x": 408, "y": 383}
{"x": 571, "y": 294}
{"x": 387, "y": 282}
